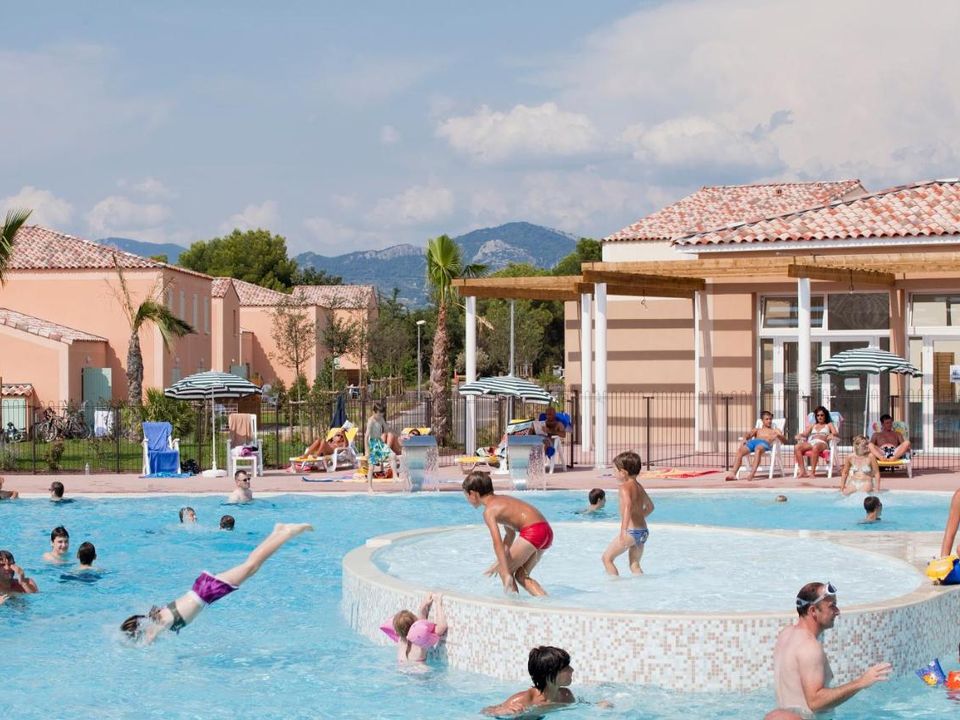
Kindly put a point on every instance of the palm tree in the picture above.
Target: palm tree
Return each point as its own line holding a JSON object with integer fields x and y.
{"x": 13, "y": 222}
{"x": 443, "y": 265}
{"x": 151, "y": 310}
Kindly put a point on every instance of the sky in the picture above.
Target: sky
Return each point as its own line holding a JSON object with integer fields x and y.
{"x": 360, "y": 125}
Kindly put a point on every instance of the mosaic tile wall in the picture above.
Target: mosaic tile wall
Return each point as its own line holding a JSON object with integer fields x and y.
{"x": 692, "y": 652}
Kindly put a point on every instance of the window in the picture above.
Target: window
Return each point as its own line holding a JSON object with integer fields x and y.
{"x": 935, "y": 310}
{"x": 196, "y": 312}
{"x": 170, "y": 300}
{"x": 859, "y": 311}
{"x": 183, "y": 305}
{"x": 236, "y": 323}
{"x": 783, "y": 312}
{"x": 206, "y": 315}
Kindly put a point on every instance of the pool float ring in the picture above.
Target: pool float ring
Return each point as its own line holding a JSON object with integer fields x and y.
{"x": 932, "y": 674}
{"x": 945, "y": 570}
{"x": 422, "y": 633}
{"x": 953, "y": 680}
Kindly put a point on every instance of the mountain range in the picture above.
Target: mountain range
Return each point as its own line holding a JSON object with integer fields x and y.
{"x": 404, "y": 266}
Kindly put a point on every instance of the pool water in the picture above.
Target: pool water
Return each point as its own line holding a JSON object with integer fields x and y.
{"x": 685, "y": 569}
{"x": 279, "y": 647}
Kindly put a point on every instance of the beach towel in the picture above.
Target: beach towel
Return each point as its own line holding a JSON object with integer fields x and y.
{"x": 241, "y": 428}
{"x": 675, "y": 474}
{"x": 162, "y": 458}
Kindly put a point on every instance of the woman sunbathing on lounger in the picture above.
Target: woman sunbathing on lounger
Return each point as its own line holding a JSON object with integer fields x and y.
{"x": 208, "y": 589}
{"x": 320, "y": 446}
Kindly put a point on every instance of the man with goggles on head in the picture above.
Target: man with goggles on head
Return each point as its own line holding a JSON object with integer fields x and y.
{"x": 801, "y": 671}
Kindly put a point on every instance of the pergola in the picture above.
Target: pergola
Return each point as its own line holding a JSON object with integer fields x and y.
{"x": 677, "y": 279}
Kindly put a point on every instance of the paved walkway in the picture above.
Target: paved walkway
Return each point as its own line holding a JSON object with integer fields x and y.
{"x": 578, "y": 479}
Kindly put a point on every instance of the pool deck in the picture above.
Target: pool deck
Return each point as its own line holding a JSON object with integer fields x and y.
{"x": 578, "y": 479}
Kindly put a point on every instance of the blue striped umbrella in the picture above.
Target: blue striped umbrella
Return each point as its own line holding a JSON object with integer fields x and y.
{"x": 213, "y": 385}
{"x": 509, "y": 386}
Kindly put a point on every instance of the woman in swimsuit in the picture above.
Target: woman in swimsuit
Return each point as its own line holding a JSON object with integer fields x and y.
{"x": 815, "y": 437}
{"x": 861, "y": 469}
{"x": 208, "y": 589}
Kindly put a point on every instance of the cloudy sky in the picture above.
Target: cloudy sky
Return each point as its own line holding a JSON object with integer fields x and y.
{"x": 361, "y": 125}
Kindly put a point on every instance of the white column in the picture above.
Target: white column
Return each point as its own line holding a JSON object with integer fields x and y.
{"x": 470, "y": 351}
{"x": 803, "y": 346}
{"x": 600, "y": 399}
{"x": 586, "y": 370}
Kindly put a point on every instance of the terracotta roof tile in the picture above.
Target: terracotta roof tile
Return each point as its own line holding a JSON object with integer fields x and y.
{"x": 40, "y": 248}
{"x": 337, "y": 296}
{"x": 716, "y": 206}
{"x": 45, "y": 328}
{"x": 919, "y": 210}
{"x": 16, "y": 390}
{"x": 220, "y": 286}
{"x": 255, "y": 296}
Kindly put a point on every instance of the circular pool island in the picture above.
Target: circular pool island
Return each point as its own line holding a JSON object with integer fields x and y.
{"x": 704, "y": 616}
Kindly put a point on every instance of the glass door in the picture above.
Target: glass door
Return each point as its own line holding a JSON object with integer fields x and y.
{"x": 792, "y": 407}
{"x": 946, "y": 394}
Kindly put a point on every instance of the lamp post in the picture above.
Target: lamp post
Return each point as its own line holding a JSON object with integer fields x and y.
{"x": 420, "y": 323}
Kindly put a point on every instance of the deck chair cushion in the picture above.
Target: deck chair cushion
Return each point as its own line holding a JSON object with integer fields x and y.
{"x": 163, "y": 459}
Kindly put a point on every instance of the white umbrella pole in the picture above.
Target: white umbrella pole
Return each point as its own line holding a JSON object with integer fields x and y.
{"x": 213, "y": 471}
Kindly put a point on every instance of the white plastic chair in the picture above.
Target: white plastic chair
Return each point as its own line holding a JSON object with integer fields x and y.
{"x": 235, "y": 443}
{"x": 172, "y": 445}
{"x": 771, "y": 460}
{"x": 832, "y": 459}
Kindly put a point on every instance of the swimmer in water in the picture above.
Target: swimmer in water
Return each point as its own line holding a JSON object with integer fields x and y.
{"x": 597, "y": 499}
{"x": 208, "y": 589}
{"x": 241, "y": 493}
{"x": 59, "y": 545}
{"x": 188, "y": 516}
{"x": 415, "y": 634}
{"x": 86, "y": 554}
{"x": 780, "y": 498}
{"x": 873, "y": 508}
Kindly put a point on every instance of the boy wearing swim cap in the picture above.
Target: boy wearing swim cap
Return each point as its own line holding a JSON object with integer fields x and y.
{"x": 635, "y": 505}
{"x": 527, "y": 533}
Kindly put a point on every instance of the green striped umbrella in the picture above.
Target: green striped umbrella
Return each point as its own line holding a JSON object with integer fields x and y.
{"x": 872, "y": 361}
{"x": 509, "y": 386}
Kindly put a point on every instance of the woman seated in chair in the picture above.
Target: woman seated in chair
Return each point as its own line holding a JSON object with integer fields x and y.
{"x": 321, "y": 446}
{"x": 814, "y": 439}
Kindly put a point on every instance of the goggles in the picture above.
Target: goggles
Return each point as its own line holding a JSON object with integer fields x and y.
{"x": 829, "y": 591}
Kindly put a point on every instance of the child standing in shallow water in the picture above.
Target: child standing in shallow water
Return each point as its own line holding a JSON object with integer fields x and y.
{"x": 635, "y": 505}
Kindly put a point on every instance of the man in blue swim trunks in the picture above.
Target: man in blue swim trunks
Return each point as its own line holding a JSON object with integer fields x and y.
{"x": 758, "y": 441}
{"x": 207, "y": 589}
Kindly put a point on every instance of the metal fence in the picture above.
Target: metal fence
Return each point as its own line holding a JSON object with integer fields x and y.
{"x": 667, "y": 429}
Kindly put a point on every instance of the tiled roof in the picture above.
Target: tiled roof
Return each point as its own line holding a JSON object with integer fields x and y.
{"x": 40, "y": 248}
{"x": 255, "y": 296}
{"x": 337, "y": 296}
{"x": 720, "y": 205}
{"x": 16, "y": 390}
{"x": 45, "y": 328}
{"x": 920, "y": 210}
{"x": 220, "y": 286}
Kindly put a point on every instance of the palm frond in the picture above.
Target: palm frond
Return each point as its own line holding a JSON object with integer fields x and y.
{"x": 169, "y": 325}
{"x": 13, "y": 222}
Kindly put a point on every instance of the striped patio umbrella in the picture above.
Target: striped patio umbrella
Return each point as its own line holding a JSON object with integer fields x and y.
{"x": 213, "y": 385}
{"x": 871, "y": 361}
{"x": 509, "y": 386}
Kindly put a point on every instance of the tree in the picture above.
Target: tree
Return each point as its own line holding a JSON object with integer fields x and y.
{"x": 313, "y": 276}
{"x": 338, "y": 338}
{"x": 443, "y": 265}
{"x": 395, "y": 331}
{"x": 294, "y": 333}
{"x": 150, "y": 311}
{"x": 587, "y": 250}
{"x": 13, "y": 222}
{"x": 530, "y": 322}
{"x": 255, "y": 256}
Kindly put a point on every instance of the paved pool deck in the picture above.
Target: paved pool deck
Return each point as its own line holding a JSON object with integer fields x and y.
{"x": 339, "y": 482}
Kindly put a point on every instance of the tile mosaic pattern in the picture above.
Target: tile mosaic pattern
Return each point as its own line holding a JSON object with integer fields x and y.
{"x": 681, "y": 652}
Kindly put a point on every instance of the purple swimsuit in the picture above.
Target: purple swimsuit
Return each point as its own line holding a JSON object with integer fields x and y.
{"x": 209, "y": 589}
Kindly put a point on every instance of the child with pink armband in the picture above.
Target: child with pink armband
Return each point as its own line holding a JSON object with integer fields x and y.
{"x": 414, "y": 634}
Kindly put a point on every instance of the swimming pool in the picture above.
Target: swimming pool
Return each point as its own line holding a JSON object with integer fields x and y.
{"x": 279, "y": 647}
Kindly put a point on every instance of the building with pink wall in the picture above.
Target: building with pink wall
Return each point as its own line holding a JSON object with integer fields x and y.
{"x": 225, "y": 322}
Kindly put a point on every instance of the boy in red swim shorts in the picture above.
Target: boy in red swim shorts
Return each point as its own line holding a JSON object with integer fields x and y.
{"x": 527, "y": 533}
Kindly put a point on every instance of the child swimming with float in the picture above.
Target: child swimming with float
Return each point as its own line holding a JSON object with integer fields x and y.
{"x": 416, "y": 634}
{"x": 207, "y": 589}
{"x": 527, "y": 533}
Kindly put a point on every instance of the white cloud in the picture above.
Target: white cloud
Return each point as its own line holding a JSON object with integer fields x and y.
{"x": 389, "y": 135}
{"x": 543, "y": 130}
{"x": 416, "y": 205}
{"x": 148, "y": 187}
{"x": 117, "y": 214}
{"x": 691, "y": 81}
{"x": 362, "y": 80}
{"x": 265, "y": 215}
{"x": 576, "y": 201}
{"x": 47, "y": 208}
{"x": 334, "y": 238}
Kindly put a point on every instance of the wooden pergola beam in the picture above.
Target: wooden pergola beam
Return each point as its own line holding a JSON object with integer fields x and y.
{"x": 628, "y": 278}
{"x": 842, "y": 274}
{"x": 639, "y": 290}
{"x": 520, "y": 293}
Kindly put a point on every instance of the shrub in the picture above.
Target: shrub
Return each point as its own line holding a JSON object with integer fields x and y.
{"x": 178, "y": 413}
{"x": 54, "y": 455}
{"x": 8, "y": 460}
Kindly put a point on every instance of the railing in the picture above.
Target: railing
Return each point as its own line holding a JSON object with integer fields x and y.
{"x": 667, "y": 429}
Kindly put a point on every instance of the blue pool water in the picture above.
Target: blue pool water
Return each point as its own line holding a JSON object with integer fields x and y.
{"x": 279, "y": 647}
